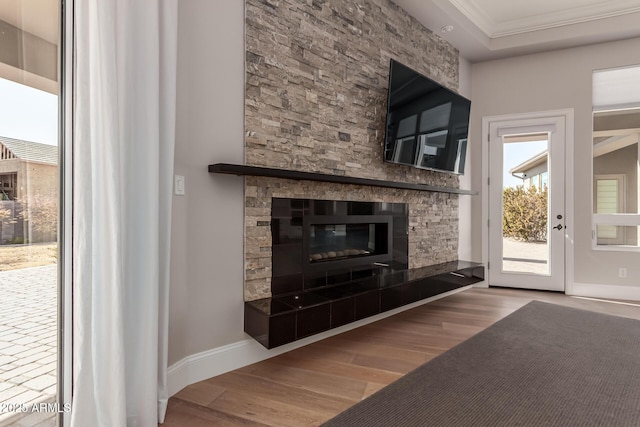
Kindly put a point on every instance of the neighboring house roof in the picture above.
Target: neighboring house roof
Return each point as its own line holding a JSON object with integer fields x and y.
{"x": 530, "y": 163}
{"x": 30, "y": 151}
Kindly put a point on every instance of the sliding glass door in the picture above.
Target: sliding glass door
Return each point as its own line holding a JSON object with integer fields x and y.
{"x": 29, "y": 204}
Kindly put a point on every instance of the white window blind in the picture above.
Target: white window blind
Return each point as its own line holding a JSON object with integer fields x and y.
{"x": 607, "y": 202}
{"x": 616, "y": 88}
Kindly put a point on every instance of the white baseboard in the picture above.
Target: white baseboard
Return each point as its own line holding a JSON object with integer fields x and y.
{"x": 483, "y": 284}
{"x": 606, "y": 291}
{"x": 217, "y": 361}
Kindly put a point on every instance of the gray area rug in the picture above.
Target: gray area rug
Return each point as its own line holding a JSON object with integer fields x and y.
{"x": 543, "y": 365}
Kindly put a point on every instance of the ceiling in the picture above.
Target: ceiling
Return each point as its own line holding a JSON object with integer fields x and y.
{"x": 482, "y": 29}
{"x": 491, "y": 29}
{"x": 38, "y": 17}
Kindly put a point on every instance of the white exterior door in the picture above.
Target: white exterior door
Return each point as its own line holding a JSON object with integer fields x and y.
{"x": 527, "y": 203}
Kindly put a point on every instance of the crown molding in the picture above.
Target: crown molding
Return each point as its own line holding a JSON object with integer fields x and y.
{"x": 575, "y": 15}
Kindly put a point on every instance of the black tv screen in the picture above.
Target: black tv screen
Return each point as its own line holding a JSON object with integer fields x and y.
{"x": 427, "y": 124}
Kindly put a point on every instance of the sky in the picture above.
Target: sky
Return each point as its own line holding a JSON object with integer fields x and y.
{"x": 28, "y": 114}
{"x": 516, "y": 153}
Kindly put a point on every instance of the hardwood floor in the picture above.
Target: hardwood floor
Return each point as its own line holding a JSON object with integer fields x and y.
{"x": 310, "y": 385}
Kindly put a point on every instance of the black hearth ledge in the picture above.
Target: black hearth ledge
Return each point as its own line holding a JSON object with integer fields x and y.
{"x": 286, "y": 318}
{"x": 244, "y": 170}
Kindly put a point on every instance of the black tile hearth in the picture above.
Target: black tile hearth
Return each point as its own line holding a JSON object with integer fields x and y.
{"x": 367, "y": 304}
{"x": 282, "y": 330}
{"x": 270, "y": 306}
{"x": 311, "y": 281}
{"x": 286, "y": 318}
{"x": 342, "y": 312}
{"x": 272, "y": 323}
{"x": 313, "y": 320}
{"x": 334, "y": 293}
{"x": 336, "y": 277}
{"x": 390, "y": 298}
{"x": 303, "y": 300}
{"x": 281, "y": 285}
{"x": 410, "y": 293}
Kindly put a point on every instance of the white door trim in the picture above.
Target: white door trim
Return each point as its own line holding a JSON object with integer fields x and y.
{"x": 568, "y": 115}
{"x": 549, "y": 276}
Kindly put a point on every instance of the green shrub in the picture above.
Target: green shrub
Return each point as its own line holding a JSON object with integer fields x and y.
{"x": 525, "y": 213}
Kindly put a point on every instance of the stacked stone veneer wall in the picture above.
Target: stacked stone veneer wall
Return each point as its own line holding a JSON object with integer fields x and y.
{"x": 315, "y": 100}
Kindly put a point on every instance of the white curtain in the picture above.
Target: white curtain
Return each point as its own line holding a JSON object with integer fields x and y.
{"x": 124, "y": 120}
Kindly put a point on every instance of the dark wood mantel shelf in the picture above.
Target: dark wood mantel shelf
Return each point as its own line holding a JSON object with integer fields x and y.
{"x": 231, "y": 169}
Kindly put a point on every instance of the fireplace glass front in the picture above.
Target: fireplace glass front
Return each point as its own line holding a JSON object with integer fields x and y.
{"x": 344, "y": 241}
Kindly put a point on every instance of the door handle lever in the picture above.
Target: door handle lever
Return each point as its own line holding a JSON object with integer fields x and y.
{"x": 558, "y": 227}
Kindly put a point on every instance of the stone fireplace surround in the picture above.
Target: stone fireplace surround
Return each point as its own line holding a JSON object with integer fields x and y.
{"x": 315, "y": 100}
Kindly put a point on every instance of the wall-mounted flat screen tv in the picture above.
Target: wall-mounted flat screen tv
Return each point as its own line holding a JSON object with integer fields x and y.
{"x": 427, "y": 124}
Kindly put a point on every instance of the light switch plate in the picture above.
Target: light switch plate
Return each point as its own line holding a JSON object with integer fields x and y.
{"x": 178, "y": 185}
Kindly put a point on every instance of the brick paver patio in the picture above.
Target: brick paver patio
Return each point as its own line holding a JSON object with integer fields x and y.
{"x": 28, "y": 344}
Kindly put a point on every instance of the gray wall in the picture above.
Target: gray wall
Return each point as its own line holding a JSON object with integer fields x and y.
{"x": 465, "y": 212}
{"x": 206, "y": 261}
{"x": 549, "y": 81}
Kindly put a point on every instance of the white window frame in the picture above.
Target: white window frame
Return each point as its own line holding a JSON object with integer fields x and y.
{"x": 619, "y": 219}
{"x": 623, "y": 220}
{"x": 615, "y": 89}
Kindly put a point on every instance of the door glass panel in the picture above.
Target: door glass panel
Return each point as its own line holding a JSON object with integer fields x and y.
{"x": 525, "y": 204}
{"x": 29, "y": 46}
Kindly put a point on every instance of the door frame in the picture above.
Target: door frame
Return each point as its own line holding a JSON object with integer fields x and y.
{"x": 568, "y": 115}
{"x": 65, "y": 211}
